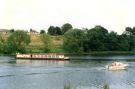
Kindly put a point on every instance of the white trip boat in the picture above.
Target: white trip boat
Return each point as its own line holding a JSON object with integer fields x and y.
{"x": 44, "y": 56}
{"x": 117, "y": 66}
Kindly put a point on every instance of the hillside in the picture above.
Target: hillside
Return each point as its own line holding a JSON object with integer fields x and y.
{"x": 36, "y": 42}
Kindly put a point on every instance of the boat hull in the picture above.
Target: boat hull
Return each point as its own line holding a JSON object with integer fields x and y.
{"x": 117, "y": 66}
{"x": 42, "y": 56}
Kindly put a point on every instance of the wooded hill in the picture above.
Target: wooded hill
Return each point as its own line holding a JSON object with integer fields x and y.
{"x": 67, "y": 39}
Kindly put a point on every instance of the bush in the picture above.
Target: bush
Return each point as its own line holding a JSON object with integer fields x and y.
{"x": 105, "y": 86}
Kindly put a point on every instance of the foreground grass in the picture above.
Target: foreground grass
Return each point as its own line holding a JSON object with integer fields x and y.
{"x": 67, "y": 86}
{"x": 105, "y": 86}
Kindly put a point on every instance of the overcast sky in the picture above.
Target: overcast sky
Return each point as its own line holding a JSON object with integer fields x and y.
{"x": 40, "y": 14}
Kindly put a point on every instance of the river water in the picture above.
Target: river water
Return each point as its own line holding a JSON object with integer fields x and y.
{"x": 87, "y": 73}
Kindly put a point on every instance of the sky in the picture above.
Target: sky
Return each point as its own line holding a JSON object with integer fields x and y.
{"x": 114, "y": 15}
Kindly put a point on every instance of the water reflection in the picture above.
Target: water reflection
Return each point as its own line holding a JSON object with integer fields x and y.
{"x": 42, "y": 62}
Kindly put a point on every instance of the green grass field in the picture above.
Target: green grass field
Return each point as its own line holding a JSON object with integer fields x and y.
{"x": 36, "y": 44}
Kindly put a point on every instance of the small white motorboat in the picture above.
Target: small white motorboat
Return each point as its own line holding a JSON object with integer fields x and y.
{"x": 116, "y": 66}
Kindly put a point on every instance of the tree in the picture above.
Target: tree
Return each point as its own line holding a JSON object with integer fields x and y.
{"x": 17, "y": 42}
{"x": 51, "y": 30}
{"x": 58, "y": 31}
{"x": 66, "y": 27}
{"x": 30, "y": 29}
{"x": 2, "y": 43}
{"x": 12, "y": 30}
{"x": 73, "y": 41}
{"x": 54, "y": 30}
{"x": 46, "y": 39}
{"x": 129, "y": 35}
{"x": 42, "y": 32}
{"x": 123, "y": 43}
{"x": 112, "y": 41}
{"x": 130, "y": 31}
{"x": 96, "y": 38}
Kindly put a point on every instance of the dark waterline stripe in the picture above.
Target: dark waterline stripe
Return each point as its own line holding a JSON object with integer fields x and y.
{"x": 6, "y": 75}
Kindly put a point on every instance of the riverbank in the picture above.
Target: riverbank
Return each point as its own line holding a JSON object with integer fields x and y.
{"x": 102, "y": 53}
{"x": 94, "y": 53}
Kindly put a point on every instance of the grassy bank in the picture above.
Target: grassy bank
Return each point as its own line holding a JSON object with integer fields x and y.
{"x": 36, "y": 44}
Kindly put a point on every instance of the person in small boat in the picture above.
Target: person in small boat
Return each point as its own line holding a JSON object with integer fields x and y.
{"x": 115, "y": 64}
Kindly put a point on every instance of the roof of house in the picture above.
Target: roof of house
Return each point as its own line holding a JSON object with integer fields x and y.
{"x": 32, "y": 30}
{"x": 4, "y": 30}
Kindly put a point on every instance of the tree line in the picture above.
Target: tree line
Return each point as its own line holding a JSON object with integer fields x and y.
{"x": 99, "y": 39}
{"x": 55, "y": 30}
{"x": 74, "y": 40}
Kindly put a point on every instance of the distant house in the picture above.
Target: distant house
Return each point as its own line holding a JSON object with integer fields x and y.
{"x": 32, "y": 31}
{"x": 4, "y": 31}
